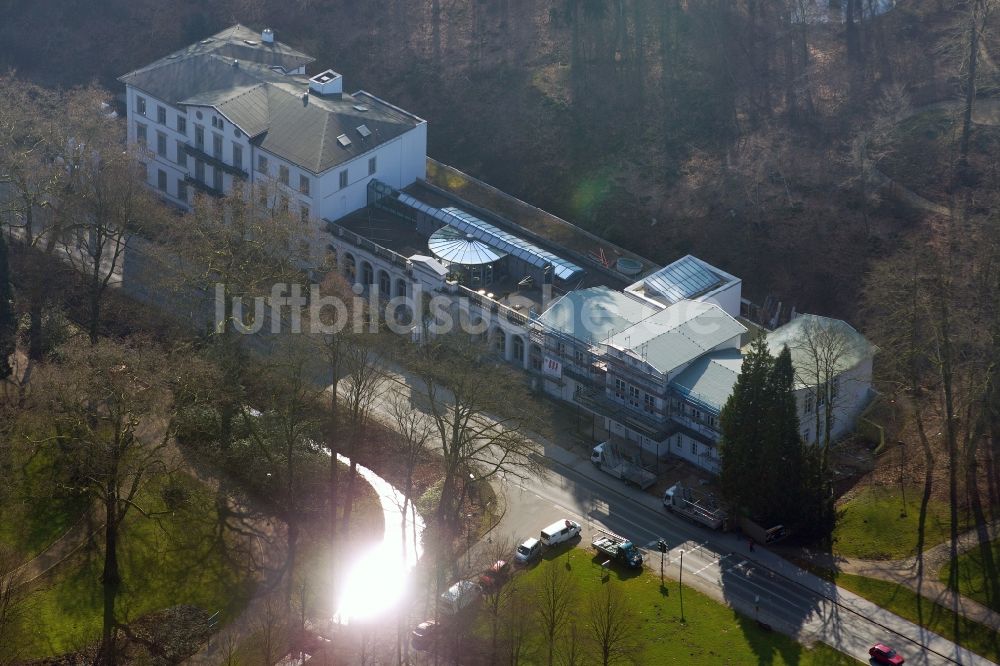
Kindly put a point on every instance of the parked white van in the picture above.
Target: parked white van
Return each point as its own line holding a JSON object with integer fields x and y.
{"x": 558, "y": 532}
{"x": 459, "y": 596}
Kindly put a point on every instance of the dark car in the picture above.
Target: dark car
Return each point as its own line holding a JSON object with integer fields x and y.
{"x": 424, "y": 635}
{"x": 495, "y": 576}
{"x": 883, "y": 654}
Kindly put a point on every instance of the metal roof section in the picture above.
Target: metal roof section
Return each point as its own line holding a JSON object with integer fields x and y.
{"x": 710, "y": 379}
{"x": 268, "y": 105}
{"x": 454, "y": 247}
{"x": 677, "y": 335}
{"x": 591, "y": 315}
{"x": 796, "y": 333}
{"x": 236, "y": 42}
{"x": 431, "y": 263}
{"x": 686, "y": 278}
{"x": 495, "y": 237}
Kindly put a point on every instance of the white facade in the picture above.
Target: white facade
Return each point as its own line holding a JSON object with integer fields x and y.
{"x": 852, "y": 394}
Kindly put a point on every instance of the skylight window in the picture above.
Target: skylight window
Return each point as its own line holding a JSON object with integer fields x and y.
{"x": 344, "y": 140}
{"x": 364, "y": 131}
{"x": 360, "y": 107}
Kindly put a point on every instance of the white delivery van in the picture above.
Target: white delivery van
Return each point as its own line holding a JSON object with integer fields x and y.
{"x": 558, "y": 532}
{"x": 459, "y": 596}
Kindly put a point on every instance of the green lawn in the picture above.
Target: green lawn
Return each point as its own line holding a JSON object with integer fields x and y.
{"x": 34, "y": 509}
{"x": 903, "y": 602}
{"x": 712, "y": 633}
{"x": 972, "y": 577}
{"x": 872, "y": 525}
{"x": 172, "y": 559}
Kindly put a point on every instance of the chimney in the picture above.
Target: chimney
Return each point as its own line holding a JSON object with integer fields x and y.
{"x": 327, "y": 83}
{"x": 267, "y": 36}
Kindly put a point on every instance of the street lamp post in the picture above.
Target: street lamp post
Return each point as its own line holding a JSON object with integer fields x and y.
{"x": 468, "y": 541}
{"x": 680, "y": 583}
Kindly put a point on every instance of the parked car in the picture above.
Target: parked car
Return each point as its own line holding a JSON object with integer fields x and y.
{"x": 424, "y": 635}
{"x": 558, "y": 532}
{"x": 495, "y": 576}
{"x": 459, "y": 596}
{"x": 528, "y": 551}
{"x": 883, "y": 654}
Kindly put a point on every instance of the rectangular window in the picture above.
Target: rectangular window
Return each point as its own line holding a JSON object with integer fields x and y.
{"x": 199, "y": 137}
{"x": 372, "y": 165}
{"x": 217, "y": 178}
{"x": 343, "y": 179}
{"x": 140, "y": 134}
{"x": 217, "y": 146}
{"x": 283, "y": 204}
{"x": 161, "y": 115}
{"x": 161, "y": 144}
{"x": 182, "y": 157}
{"x": 835, "y": 387}
{"x": 808, "y": 407}
{"x": 237, "y": 156}
{"x": 581, "y": 358}
{"x": 304, "y": 184}
{"x": 304, "y": 213}
{"x": 262, "y": 163}
{"x": 182, "y": 190}
{"x": 619, "y": 389}
{"x": 182, "y": 125}
{"x": 140, "y": 105}
{"x": 694, "y": 447}
{"x": 161, "y": 180}
{"x": 650, "y": 404}
{"x": 283, "y": 174}
{"x": 199, "y": 171}
{"x": 633, "y": 396}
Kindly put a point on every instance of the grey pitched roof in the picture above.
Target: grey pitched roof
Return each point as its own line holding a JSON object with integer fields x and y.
{"x": 591, "y": 315}
{"x": 854, "y": 347}
{"x": 678, "y": 335}
{"x": 711, "y": 378}
{"x": 239, "y": 80}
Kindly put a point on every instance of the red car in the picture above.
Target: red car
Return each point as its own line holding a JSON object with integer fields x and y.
{"x": 883, "y": 654}
{"x": 495, "y": 576}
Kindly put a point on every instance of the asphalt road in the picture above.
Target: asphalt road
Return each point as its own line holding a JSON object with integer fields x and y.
{"x": 758, "y": 584}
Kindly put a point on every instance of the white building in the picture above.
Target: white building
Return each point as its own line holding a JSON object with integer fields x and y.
{"x": 832, "y": 361}
{"x": 238, "y": 106}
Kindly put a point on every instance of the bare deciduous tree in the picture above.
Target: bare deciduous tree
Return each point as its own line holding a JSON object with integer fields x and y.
{"x": 99, "y": 396}
{"x": 555, "y": 599}
{"x": 482, "y": 413}
{"x": 613, "y": 626}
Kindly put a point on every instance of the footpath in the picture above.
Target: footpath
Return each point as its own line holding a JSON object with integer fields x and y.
{"x": 928, "y": 585}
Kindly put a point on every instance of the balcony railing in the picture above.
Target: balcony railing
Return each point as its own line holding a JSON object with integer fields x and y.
{"x": 203, "y": 187}
{"x": 214, "y": 161}
{"x": 368, "y": 246}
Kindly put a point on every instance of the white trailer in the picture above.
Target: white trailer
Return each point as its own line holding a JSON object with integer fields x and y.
{"x": 701, "y": 509}
{"x": 608, "y": 459}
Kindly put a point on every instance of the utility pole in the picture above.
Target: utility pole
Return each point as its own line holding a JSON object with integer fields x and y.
{"x": 680, "y": 582}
